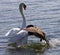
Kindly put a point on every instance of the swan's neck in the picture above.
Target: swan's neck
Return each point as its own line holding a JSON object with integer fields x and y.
{"x": 24, "y": 21}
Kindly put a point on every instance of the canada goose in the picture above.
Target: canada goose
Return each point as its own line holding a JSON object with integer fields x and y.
{"x": 37, "y": 32}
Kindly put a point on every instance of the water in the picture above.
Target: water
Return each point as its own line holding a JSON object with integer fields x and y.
{"x": 42, "y": 13}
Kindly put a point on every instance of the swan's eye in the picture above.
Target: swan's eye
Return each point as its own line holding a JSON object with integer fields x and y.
{"x": 25, "y": 7}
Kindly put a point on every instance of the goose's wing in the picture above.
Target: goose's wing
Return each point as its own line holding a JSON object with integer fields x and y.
{"x": 35, "y": 30}
{"x": 12, "y": 32}
{"x": 20, "y": 38}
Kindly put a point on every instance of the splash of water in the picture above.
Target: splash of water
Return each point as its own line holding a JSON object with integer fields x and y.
{"x": 54, "y": 42}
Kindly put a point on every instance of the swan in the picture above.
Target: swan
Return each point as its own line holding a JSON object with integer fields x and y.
{"x": 12, "y": 32}
{"x": 18, "y": 32}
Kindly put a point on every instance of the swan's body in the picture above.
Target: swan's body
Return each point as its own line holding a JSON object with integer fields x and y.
{"x": 13, "y": 33}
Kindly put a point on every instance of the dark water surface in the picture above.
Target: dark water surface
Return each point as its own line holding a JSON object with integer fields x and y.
{"x": 42, "y": 13}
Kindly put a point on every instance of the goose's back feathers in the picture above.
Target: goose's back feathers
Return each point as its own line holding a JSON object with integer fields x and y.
{"x": 35, "y": 30}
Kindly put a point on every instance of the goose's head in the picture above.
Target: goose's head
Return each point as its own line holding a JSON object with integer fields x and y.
{"x": 29, "y": 26}
{"x": 22, "y": 6}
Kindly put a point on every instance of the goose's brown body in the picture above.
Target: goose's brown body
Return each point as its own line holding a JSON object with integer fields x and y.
{"x": 37, "y": 32}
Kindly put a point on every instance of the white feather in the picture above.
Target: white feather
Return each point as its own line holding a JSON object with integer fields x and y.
{"x": 20, "y": 38}
{"x": 12, "y": 32}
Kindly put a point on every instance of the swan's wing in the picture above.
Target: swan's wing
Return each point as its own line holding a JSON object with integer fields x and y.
{"x": 20, "y": 38}
{"x": 12, "y": 32}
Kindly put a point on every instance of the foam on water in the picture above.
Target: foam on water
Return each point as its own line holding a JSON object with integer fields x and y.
{"x": 54, "y": 42}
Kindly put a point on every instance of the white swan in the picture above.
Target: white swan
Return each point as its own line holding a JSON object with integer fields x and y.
{"x": 17, "y": 34}
{"x": 14, "y": 31}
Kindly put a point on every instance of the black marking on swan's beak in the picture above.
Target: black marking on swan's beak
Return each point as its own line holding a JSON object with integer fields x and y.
{"x": 24, "y": 7}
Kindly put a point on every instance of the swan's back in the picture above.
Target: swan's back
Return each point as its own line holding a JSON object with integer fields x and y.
{"x": 20, "y": 38}
{"x": 12, "y": 32}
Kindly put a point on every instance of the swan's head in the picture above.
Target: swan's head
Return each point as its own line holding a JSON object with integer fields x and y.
{"x": 22, "y": 5}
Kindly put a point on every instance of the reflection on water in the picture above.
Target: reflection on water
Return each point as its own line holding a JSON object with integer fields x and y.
{"x": 21, "y": 52}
